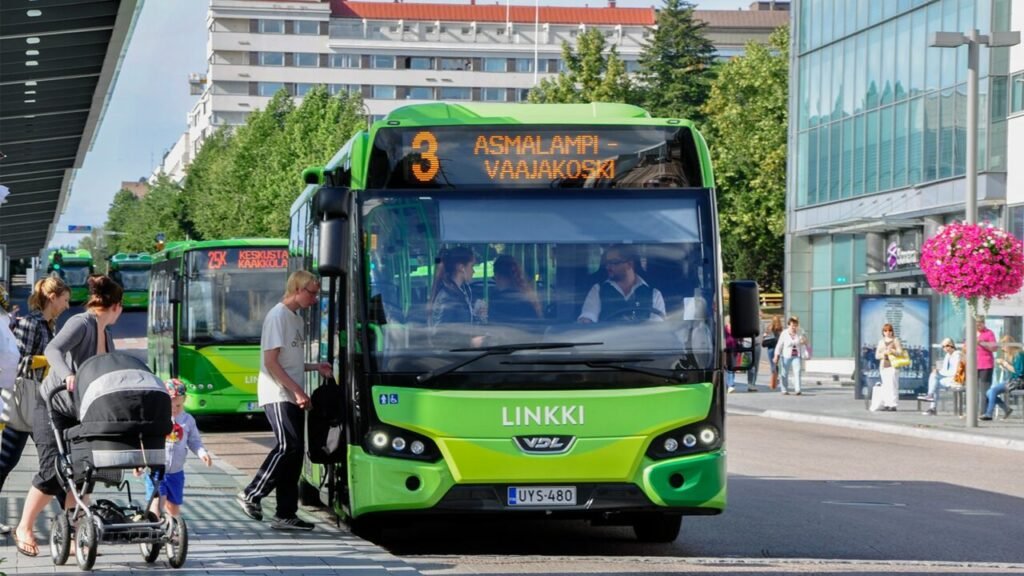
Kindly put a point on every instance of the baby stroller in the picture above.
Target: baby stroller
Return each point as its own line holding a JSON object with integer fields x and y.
{"x": 124, "y": 415}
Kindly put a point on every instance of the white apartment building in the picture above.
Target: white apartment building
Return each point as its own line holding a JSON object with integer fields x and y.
{"x": 395, "y": 54}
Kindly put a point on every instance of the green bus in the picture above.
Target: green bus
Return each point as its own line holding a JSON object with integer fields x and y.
{"x": 619, "y": 421}
{"x": 74, "y": 267}
{"x": 131, "y": 271}
{"x": 207, "y": 301}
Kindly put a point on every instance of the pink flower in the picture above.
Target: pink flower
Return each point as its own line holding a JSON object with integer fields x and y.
{"x": 973, "y": 262}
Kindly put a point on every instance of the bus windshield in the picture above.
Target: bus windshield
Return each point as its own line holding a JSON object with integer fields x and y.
{"x": 229, "y": 292}
{"x": 631, "y": 273}
{"x": 75, "y": 275}
{"x": 133, "y": 280}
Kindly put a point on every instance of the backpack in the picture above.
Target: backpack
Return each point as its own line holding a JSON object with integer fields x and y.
{"x": 325, "y": 429}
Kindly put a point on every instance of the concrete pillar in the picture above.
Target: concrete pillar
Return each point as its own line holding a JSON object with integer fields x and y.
{"x": 875, "y": 246}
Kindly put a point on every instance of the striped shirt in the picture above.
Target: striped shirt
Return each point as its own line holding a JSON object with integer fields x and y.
{"x": 33, "y": 334}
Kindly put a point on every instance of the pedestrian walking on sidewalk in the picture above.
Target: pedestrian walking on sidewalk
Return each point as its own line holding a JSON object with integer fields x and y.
{"x": 987, "y": 346}
{"x": 791, "y": 351}
{"x": 283, "y": 398}
{"x": 83, "y": 336}
{"x": 1012, "y": 363}
{"x": 943, "y": 375}
{"x": 165, "y": 489}
{"x": 33, "y": 332}
{"x": 769, "y": 340}
{"x": 888, "y": 352}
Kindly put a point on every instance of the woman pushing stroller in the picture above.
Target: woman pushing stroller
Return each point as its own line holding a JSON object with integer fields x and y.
{"x": 83, "y": 336}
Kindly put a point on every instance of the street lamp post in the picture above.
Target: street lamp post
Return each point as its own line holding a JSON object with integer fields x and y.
{"x": 973, "y": 40}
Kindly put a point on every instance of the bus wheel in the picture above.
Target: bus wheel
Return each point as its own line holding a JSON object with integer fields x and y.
{"x": 657, "y": 528}
{"x": 309, "y": 495}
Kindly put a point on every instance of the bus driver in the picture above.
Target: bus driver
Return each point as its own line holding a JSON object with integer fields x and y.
{"x": 624, "y": 295}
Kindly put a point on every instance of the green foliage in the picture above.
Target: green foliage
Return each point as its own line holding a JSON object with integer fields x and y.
{"x": 133, "y": 223}
{"x": 676, "y": 64}
{"x": 242, "y": 183}
{"x": 594, "y": 73}
{"x": 746, "y": 130}
{"x": 97, "y": 245}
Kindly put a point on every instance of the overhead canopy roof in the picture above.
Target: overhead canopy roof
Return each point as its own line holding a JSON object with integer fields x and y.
{"x": 58, "y": 64}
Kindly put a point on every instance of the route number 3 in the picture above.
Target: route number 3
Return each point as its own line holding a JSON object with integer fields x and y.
{"x": 426, "y": 168}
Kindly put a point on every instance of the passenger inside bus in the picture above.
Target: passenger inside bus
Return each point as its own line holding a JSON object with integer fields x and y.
{"x": 514, "y": 297}
{"x": 624, "y": 295}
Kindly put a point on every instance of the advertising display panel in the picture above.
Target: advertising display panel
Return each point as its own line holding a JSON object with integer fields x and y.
{"x": 910, "y": 317}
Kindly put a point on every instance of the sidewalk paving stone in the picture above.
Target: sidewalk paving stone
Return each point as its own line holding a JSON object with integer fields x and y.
{"x": 222, "y": 540}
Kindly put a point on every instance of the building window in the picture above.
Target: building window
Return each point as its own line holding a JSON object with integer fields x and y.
{"x": 522, "y": 94}
{"x": 271, "y": 26}
{"x": 495, "y": 65}
{"x": 303, "y": 88}
{"x": 429, "y": 29}
{"x": 495, "y": 94}
{"x": 420, "y": 93}
{"x": 307, "y": 27}
{"x": 336, "y": 89}
{"x": 307, "y": 59}
{"x": 344, "y": 61}
{"x": 271, "y": 58}
{"x": 270, "y": 88}
{"x": 384, "y": 92}
{"x": 384, "y": 62}
{"x": 419, "y": 63}
{"x": 1017, "y": 93}
{"x": 456, "y": 64}
{"x": 524, "y": 65}
{"x": 632, "y": 66}
{"x": 456, "y": 93}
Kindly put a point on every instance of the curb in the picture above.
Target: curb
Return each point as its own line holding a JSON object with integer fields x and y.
{"x": 901, "y": 430}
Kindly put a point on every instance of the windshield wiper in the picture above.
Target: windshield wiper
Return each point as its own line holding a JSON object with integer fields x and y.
{"x": 625, "y": 364}
{"x": 496, "y": 350}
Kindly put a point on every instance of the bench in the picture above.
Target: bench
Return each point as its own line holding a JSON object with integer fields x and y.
{"x": 1016, "y": 397}
{"x": 959, "y": 399}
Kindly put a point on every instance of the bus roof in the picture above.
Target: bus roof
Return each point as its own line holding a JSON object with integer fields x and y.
{"x": 79, "y": 254}
{"x": 498, "y": 113}
{"x": 122, "y": 259}
{"x": 177, "y": 248}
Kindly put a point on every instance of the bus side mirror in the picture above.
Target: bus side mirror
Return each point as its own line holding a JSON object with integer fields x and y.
{"x": 174, "y": 290}
{"x": 332, "y": 208}
{"x": 744, "y": 309}
{"x": 313, "y": 175}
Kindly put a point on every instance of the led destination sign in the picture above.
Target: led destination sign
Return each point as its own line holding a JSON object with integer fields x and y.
{"x": 244, "y": 259}
{"x": 526, "y": 156}
{"x": 534, "y": 156}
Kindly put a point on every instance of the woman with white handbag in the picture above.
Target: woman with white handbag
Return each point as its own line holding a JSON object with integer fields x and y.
{"x": 33, "y": 331}
{"x": 891, "y": 357}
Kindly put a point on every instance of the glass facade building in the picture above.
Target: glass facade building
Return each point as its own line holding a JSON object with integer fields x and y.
{"x": 878, "y": 144}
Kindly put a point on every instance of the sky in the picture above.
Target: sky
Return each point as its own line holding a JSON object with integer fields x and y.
{"x": 147, "y": 110}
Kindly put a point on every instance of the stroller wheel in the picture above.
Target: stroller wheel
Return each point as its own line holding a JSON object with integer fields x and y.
{"x": 177, "y": 542}
{"x": 150, "y": 551}
{"x": 60, "y": 538}
{"x": 86, "y": 539}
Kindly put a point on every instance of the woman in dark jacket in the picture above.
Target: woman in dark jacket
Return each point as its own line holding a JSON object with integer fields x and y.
{"x": 83, "y": 336}
{"x": 33, "y": 331}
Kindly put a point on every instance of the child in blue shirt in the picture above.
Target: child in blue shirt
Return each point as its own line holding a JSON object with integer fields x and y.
{"x": 184, "y": 436}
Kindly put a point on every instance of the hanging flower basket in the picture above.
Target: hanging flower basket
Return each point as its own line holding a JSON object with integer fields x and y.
{"x": 973, "y": 263}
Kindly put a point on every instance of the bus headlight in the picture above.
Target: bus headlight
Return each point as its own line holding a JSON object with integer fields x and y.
{"x": 695, "y": 438}
{"x": 393, "y": 442}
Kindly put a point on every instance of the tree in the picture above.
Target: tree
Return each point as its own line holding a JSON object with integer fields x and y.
{"x": 591, "y": 75}
{"x": 243, "y": 182}
{"x": 676, "y": 64}
{"x": 97, "y": 245}
{"x": 746, "y": 129}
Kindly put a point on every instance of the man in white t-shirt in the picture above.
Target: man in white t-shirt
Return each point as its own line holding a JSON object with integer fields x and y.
{"x": 281, "y": 394}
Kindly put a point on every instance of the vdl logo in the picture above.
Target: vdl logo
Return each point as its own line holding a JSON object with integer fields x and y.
{"x": 544, "y": 444}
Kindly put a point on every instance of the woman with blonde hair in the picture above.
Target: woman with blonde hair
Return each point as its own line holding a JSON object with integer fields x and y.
{"x": 1012, "y": 363}
{"x": 49, "y": 299}
{"x": 943, "y": 375}
{"x": 768, "y": 340}
{"x": 888, "y": 348}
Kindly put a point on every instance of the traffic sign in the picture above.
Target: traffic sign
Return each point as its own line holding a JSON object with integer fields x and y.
{"x": 79, "y": 229}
